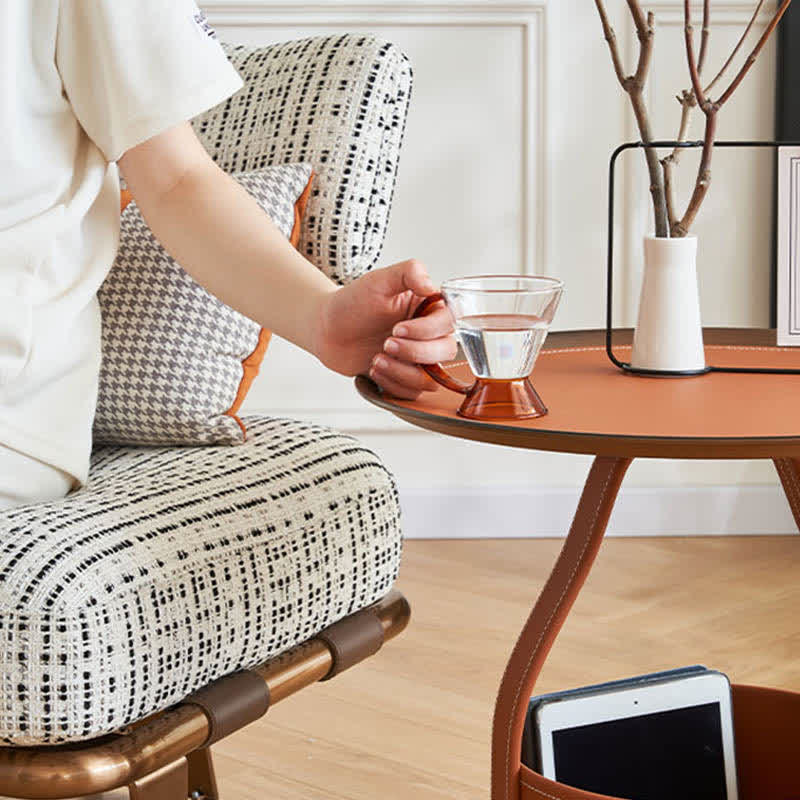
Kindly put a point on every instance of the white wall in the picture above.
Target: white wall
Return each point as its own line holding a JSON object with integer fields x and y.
{"x": 514, "y": 114}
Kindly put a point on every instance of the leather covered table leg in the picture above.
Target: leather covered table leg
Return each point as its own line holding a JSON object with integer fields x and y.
{"x": 789, "y": 473}
{"x": 546, "y": 619}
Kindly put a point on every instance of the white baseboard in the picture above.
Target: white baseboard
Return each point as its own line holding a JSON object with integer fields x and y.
{"x": 476, "y": 513}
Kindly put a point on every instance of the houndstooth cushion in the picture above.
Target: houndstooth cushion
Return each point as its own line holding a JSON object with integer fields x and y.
{"x": 175, "y": 566}
{"x": 337, "y": 102}
{"x": 173, "y": 353}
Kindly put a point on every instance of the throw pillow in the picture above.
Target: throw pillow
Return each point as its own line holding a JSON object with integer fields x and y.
{"x": 176, "y": 361}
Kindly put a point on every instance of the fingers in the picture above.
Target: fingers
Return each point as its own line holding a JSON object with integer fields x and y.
{"x": 434, "y": 325}
{"x": 406, "y": 275}
{"x": 394, "y": 388}
{"x": 421, "y": 352}
{"x": 410, "y": 376}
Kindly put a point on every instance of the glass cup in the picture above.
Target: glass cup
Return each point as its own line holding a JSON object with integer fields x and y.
{"x": 501, "y": 322}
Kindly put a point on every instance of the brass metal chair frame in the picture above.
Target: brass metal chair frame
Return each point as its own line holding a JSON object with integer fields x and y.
{"x": 164, "y": 756}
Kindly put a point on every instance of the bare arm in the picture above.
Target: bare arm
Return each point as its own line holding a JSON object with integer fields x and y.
{"x": 223, "y": 239}
{"x": 221, "y": 236}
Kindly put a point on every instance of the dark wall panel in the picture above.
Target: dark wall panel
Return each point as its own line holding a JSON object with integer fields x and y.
{"x": 788, "y": 90}
{"x": 787, "y": 105}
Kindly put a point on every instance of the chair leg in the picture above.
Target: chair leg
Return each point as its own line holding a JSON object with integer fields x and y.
{"x": 168, "y": 783}
{"x": 202, "y": 781}
{"x": 789, "y": 473}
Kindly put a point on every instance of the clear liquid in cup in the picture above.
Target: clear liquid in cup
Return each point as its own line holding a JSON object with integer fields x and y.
{"x": 501, "y": 346}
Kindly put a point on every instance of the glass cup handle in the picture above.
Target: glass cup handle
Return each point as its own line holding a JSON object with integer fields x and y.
{"x": 436, "y": 371}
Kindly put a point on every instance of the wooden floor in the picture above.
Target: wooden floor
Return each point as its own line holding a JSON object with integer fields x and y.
{"x": 414, "y": 721}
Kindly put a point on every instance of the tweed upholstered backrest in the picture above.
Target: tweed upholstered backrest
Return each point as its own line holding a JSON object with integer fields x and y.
{"x": 337, "y": 102}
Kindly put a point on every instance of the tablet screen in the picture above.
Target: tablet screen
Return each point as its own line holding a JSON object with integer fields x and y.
{"x": 658, "y": 756}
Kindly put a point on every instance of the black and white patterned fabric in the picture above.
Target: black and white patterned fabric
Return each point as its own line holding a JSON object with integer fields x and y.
{"x": 337, "y": 102}
{"x": 175, "y": 566}
{"x": 172, "y": 352}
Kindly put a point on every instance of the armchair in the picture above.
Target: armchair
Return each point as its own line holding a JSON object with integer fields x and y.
{"x": 183, "y": 590}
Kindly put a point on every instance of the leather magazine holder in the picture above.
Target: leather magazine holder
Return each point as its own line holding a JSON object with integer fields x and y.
{"x": 766, "y": 721}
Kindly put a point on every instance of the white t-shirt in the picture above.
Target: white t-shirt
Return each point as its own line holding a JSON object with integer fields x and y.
{"x": 81, "y": 82}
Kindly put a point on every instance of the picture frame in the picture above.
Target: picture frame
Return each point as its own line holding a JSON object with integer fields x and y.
{"x": 786, "y": 278}
{"x": 788, "y": 246}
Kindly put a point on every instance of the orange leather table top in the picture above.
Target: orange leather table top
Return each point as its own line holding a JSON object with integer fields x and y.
{"x": 596, "y": 408}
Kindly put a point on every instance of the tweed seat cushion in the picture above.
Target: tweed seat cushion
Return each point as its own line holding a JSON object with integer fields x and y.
{"x": 175, "y": 566}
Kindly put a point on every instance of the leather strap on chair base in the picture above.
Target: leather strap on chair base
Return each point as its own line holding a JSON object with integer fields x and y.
{"x": 231, "y": 702}
{"x": 352, "y": 639}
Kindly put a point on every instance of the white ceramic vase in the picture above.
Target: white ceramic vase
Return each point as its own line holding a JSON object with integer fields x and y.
{"x": 669, "y": 334}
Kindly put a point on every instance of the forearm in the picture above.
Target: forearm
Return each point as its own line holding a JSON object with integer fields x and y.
{"x": 223, "y": 239}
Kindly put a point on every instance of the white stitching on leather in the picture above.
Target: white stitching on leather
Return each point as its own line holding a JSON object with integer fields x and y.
{"x": 742, "y": 348}
{"x": 561, "y": 350}
{"x": 539, "y": 791}
{"x": 553, "y": 613}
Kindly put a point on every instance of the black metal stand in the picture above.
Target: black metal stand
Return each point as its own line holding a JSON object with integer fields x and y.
{"x": 610, "y": 274}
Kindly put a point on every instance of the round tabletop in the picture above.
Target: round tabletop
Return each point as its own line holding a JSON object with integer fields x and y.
{"x": 596, "y": 408}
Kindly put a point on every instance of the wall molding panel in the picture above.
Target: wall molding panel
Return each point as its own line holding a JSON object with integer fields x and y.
{"x": 479, "y": 513}
{"x": 528, "y": 16}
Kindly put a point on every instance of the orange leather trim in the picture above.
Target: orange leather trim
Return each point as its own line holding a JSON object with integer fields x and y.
{"x": 125, "y": 198}
{"x": 250, "y": 368}
{"x": 252, "y": 363}
{"x": 300, "y": 211}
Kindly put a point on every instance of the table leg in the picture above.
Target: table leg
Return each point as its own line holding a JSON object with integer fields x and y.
{"x": 789, "y": 472}
{"x": 546, "y": 619}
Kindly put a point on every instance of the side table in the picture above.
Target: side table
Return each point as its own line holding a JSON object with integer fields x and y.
{"x": 596, "y": 409}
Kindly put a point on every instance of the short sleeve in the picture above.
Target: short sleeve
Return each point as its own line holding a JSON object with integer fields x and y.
{"x": 132, "y": 70}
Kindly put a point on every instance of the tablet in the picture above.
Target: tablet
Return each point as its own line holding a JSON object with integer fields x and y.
{"x": 651, "y": 741}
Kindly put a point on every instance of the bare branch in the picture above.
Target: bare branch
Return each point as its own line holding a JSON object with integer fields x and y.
{"x": 645, "y": 49}
{"x": 751, "y": 59}
{"x": 688, "y": 31}
{"x": 687, "y": 100}
{"x": 711, "y": 109}
{"x": 639, "y": 19}
{"x": 737, "y": 48}
{"x": 653, "y": 166}
{"x": 668, "y": 166}
{"x": 701, "y": 59}
{"x": 634, "y": 86}
{"x": 611, "y": 38}
{"x": 703, "y": 176}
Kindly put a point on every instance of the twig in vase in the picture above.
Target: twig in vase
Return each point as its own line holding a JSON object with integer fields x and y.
{"x": 711, "y": 108}
{"x": 688, "y": 102}
{"x": 704, "y": 34}
{"x": 667, "y": 222}
{"x": 634, "y": 86}
{"x": 738, "y": 47}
